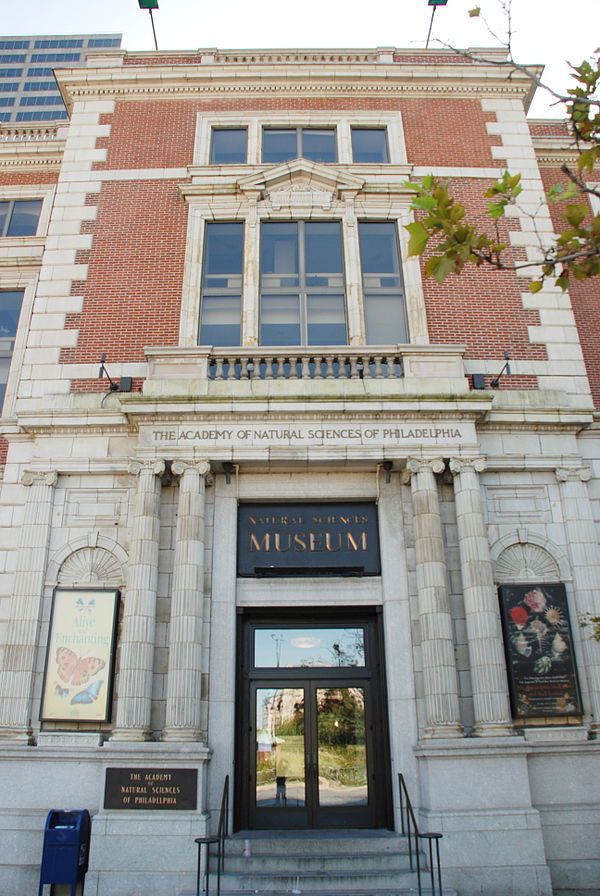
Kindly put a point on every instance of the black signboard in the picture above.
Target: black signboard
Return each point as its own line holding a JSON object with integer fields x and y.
{"x": 308, "y": 539}
{"x": 151, "y": 788}
{"x": 539, "y": 651}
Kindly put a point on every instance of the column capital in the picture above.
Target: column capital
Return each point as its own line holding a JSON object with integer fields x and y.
{"x": 476, "y": 464}
{"x": 201, "y": 467}
{"x": 424, "y": 465}
{"x": 154, "y": 465}
{"x": 573, "y": 474}
{"x": 30, "y": 477}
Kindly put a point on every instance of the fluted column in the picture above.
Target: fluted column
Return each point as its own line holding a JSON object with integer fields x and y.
{"x": 18, "y": 670}
{"x": 584, "y": 557}
{"x": 437, "y": 642}
{"x": 491, "y": 704}
{"x": 183, "y": 720}
{"x": 139, "y": 619}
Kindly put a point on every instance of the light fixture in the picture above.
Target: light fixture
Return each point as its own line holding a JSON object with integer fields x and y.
{"x": 435, "y": 4}
{"x": 228, "y": 468}
{"x": 388, "y": 466}
{"x": 150, "y": 5}
{"x": 495, "y": 384}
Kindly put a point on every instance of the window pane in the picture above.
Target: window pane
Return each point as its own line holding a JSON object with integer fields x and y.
{"x": 228, "y": 146}
{"x": 279, "y": 146}
{"x": 280, "y": 320}
{"x": 384, "y": 319}
{"x": 279, "y": 255}
{"x": 24, "y": 218}
{"x": 308, "y": 647}
{"x": 10, "y": 309}
{"x": 379, "y": 255}
{"x": 318, "y": 145}
{"x": 326, "y": 322}
{"x": 369, "y": 145}
{"x": 323, "y": 243}
{"x": 221, "y": 320}
{"x": 3, "y": 214}
{"x": 223, "y": 257}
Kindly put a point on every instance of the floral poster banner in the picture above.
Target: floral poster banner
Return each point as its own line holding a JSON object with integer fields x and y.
{"x": 80, "y": 656}
{"x": 539, "y": 651}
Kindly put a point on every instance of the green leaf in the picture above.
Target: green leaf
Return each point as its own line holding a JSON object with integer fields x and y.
{"x": 576, "y": 213}
{"x": 427, "y": 182}
{"x": 475, "y": 12}
{"x": 418, "y": 238}
{"x": 496, "y": 209}
{"x": 427, "y": 203}
{"x": 445, "y": 267}
{"x": 536, "y": 285}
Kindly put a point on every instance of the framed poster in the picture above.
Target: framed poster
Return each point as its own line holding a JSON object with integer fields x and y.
{"x": 539, "y": 651}
{"x": 80, "y": 656}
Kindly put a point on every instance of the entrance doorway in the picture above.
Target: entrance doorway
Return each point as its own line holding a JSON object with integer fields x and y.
{"x": 312, "y": 740}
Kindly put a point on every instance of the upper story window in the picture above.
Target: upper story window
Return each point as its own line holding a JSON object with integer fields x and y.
{"x": 302, "y": 292}
{"x": 383, "y": 290}
{"x": 228, "y": 146}
{"x": 369, "y": 145}
{"x": 221, "y": 300}
{"x": 284, "y": 144}
{"x": 19, "y": 217}
{"x": 10, "y": 309}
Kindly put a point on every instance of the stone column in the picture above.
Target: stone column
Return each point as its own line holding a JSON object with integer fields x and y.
{"x": 437, "y": 642}
{"x": 584, "y": 557}
{"x": 484, "y": 630}
{"x": 183, "y": 720}
{"x": 139, "y": 618}
{"x": 18, "y": 670}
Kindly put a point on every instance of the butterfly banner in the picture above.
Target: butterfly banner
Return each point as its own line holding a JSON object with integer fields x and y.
{"x": 80, "y": 656}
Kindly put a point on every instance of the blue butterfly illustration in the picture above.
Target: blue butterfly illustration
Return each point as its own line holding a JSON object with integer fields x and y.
{"x": 81, "y": 605}
{"x": 89, "y": 695}
{"x": 61, "y": 692}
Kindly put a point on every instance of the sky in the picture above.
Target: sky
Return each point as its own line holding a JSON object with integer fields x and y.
{"x": 549, "y": 32}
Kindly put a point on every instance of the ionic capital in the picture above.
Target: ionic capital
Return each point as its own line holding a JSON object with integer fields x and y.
{"x": 573, "y": 474}
{"x": 201, "y": 467}
{"x": 460, "y": 464}
{"x": 425, "y": 465}
{"x": 155, "y": 466}
{"x": 30, "y": 478}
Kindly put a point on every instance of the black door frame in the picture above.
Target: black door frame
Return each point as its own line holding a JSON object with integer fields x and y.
{"x": 372, "y": 676}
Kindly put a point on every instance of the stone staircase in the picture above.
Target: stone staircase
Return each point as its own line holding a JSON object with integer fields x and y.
{"x": 330, "y": 863}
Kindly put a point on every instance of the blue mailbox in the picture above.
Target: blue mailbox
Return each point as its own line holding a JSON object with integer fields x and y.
{"x": 66, "y": 849}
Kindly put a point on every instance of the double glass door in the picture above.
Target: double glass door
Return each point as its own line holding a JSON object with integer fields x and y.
{"x": 312, "y": 753}
{"x": 312, "y": 737}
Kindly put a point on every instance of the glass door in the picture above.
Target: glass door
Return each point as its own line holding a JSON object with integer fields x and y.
{"x": 311, "y": 755}
{"x": 312, "y": 733}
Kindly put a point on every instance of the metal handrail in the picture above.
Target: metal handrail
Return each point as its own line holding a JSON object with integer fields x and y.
{"x": 223, "y": 830}
{"x": 408, "y": 821}
{"x": 219, "y": 839}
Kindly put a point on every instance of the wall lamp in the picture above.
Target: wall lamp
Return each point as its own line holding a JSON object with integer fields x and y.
{"x": 150, "y": 5}
{"x": 495, "y": 384}
{"x": 388, "y": 466}
{"x": 124, "y": 384}
{"x": 228, "y": 468}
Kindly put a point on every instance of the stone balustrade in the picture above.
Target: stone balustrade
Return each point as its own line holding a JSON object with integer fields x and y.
{"x": 304, "y": 364}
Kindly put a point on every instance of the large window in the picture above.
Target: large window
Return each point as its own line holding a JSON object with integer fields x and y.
{"x": 221, "y": 308}
{"x": 19, "y": 217}
{"x": 383, "y": 292}
{"x": 10, "y": 309}
{"x": 284, "y": 144}
{"x": 228, "y": 146}
{"x": 302, "y": 291}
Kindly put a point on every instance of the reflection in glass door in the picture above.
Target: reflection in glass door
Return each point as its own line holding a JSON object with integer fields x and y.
{"x": 342, "y": 749}
{"x": 311, "y": 755}
{"x": 280, "y": 752}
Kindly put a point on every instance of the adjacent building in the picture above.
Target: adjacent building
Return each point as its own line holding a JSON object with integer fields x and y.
{"x": 275, "y": 506}
{"x": 28, "y": 89}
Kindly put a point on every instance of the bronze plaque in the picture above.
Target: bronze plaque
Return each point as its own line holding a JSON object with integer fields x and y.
{"x": 151, "y": 788}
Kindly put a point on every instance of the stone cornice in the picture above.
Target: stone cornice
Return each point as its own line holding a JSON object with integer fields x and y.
{"x": 309, "y": 79}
